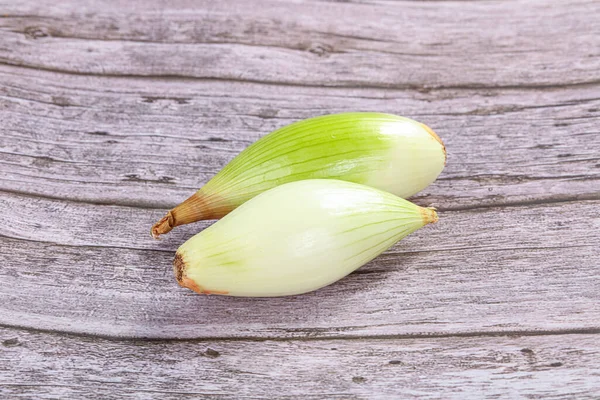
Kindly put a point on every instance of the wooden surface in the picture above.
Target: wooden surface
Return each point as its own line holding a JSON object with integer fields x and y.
{"x": 112, "y": 112}
{"x": 550, "y": 367}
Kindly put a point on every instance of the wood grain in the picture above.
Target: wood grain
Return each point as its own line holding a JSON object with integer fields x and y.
{"x": 95, "y": 269}
{"x": 112, "y": 111}
{"x": 152, "y": 143}
{"x": 388, "y": 44}
{"x": 549, "y": 367}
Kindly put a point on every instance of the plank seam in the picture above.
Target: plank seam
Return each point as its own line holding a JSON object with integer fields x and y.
{"x": 165, "y": 206}
{"x": 312, "y": 337}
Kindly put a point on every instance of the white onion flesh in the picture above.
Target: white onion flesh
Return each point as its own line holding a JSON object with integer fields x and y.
{"x": 296, "y": 238}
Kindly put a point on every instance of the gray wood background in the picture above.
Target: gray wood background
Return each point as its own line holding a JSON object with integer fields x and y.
{"x": 113, "y": 111}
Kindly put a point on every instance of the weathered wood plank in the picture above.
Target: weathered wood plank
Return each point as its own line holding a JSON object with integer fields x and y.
{"x": 152, "y": 143}
{"x": 42, "y": 366}
{"x": 387, "y": 44}
{"x": 112, "y": 110}
{"x": 94, "y": 269}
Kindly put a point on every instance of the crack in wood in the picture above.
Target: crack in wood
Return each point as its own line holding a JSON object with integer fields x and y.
{"x": 312, "y": 335}
{"x": 391, "y": 86}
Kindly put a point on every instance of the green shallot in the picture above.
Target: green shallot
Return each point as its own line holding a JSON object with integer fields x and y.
{"x": 384, "y": 151}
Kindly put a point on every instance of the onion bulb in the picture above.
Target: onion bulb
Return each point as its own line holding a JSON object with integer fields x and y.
{"x": 384, "y": 151}
{"x": 296, "y": 238}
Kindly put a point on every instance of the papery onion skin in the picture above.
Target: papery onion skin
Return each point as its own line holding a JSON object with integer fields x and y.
{"x": 296, "y": 238}
{"x": 385, "y": 151}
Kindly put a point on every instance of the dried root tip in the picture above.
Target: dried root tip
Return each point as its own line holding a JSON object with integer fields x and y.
{"x": 429, "y": 215}
{"x": 178, "y": 267}
{"x": 163, "y": 226}
{"x": 180, "y": 275}
{"x": 179, "y": 270}
{"x": 436, "y": 137}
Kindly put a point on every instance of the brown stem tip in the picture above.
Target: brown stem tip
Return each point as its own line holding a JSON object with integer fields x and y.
{"x": 429, "y": 215}
{"x": 197, "y": 207}
{"x": 163, "y": 226}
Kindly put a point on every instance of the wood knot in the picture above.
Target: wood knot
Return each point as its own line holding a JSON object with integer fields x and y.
{"x": 212, "y": 353}
{"x": 321, "y": 50}
{"x": 11, "y": 342}
{"x": 34, "y": 32}
{"x": 556, "y": 364}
